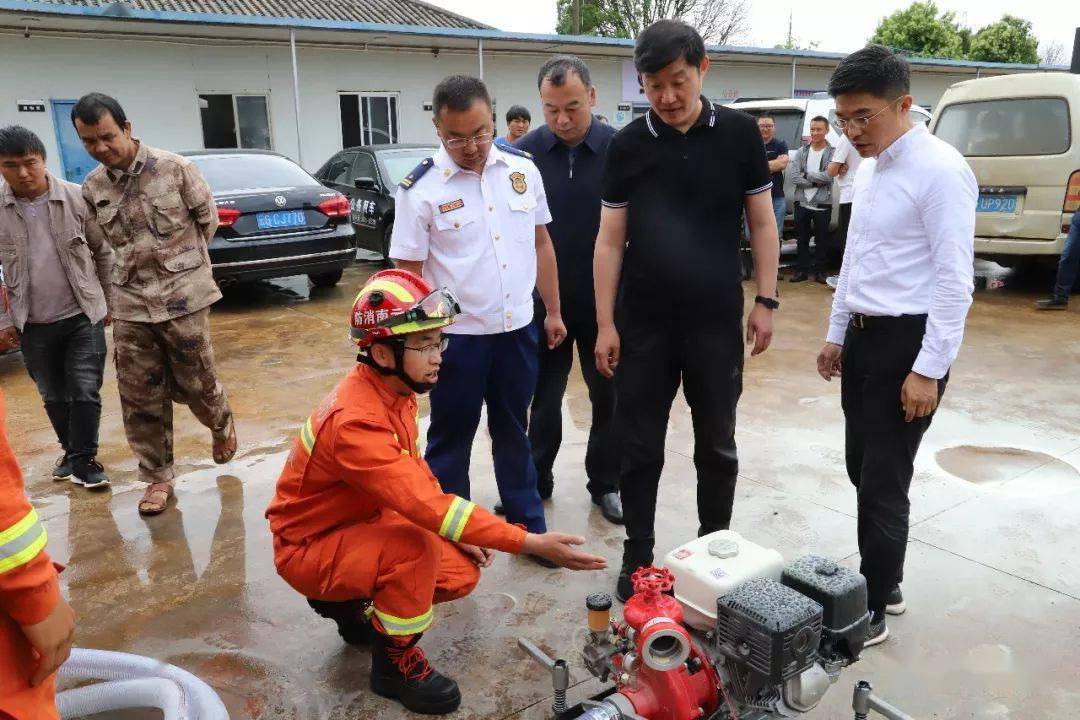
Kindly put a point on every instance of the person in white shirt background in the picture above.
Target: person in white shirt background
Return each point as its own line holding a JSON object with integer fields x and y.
{"x": 900, "y": 306}
{"x": 844, "y": 165}
{"x": 472, "y": 218}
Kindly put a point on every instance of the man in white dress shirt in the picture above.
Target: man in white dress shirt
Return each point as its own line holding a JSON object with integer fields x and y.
{"x": 472, "y": 218}
{"x": 900, "y": 306}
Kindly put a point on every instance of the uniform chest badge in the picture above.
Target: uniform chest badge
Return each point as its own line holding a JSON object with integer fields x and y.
{"x": 452, "y": 205}
{"x": 517, "y": 180}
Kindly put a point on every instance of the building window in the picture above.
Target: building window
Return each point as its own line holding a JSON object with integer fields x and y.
{"x": 368, "y": 118}
{"x": 235, "y": 121}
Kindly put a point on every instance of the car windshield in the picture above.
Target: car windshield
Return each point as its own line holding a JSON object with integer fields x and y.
{"x": 398, "y": 163}
{"x": 1006, "y": 128}
{"x": 236, "y": 173}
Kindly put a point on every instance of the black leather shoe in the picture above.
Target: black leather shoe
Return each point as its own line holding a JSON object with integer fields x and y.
{"x": 400, "y": 671}
{"x": 624, "y": 587}
{"x": 799, "y": 277}
{"x": 1054, "y": 302}
{"x": 610, "y": 507}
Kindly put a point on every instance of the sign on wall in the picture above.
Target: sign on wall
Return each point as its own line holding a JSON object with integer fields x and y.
{"x": 31, "y": 106}
{"x": 623, "y": 115}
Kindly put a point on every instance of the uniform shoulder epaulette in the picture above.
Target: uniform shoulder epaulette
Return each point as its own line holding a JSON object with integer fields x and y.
{"x": 416, "y": 173}
{"x": 514, "y": 151}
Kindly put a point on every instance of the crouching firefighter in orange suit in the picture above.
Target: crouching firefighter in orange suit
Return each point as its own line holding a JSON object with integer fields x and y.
{"x": 36, "y": 625}
{"x": 361, "y": 527}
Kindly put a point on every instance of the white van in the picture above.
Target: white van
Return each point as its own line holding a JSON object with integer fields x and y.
{"x": 1020, "y": 135}
{"x": 793, "y": 116}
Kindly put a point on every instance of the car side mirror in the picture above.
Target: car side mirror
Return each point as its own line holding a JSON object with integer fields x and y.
{"x": 364, "y": 183}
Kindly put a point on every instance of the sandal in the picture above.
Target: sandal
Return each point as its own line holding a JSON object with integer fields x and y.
{"x": 156, "y": 498}
{"x": 225, "y": 447}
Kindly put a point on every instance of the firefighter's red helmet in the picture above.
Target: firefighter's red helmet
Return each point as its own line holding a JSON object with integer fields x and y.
{"x": 398, "y": 302}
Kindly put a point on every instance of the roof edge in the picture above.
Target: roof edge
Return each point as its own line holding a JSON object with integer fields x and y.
{"x": 110, "y": 12}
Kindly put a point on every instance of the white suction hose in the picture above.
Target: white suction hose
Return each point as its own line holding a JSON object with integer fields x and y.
{"x": 197, "y": 700}
{"x": 165, "y": 695}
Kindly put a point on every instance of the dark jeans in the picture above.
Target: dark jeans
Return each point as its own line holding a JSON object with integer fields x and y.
{"x": 66, "y": 359}
{"x": 545, "y": 420}
{"x": 708, "y": 359}
{"x": 1069, "y": 265}
{"x": 498, "y": 371}
{"x": 880, "y": 445}
{"x": 814, "y": 223}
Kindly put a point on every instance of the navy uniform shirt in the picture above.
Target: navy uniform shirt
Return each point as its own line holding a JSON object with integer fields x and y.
{"x": 684, "y": 195}
{"x": 572, "y": 178}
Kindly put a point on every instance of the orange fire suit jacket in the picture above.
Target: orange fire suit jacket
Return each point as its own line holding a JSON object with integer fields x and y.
{"x": 358, "y": 456}
{"x": 29, "y": 591}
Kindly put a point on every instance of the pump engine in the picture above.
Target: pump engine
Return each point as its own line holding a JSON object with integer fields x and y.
{"x": 724, "y": 631}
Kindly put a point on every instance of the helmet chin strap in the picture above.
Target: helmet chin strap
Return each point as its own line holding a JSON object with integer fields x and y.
{"x": 398, "y": 348}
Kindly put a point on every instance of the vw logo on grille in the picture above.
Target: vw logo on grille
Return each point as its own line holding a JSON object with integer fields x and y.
{"x": 280, "y": 201}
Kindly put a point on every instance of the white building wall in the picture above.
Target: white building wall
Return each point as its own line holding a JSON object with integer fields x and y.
{"x": 157, "y": 82}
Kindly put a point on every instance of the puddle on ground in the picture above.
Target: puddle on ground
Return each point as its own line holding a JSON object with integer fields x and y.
{"x": 989, "y": 466}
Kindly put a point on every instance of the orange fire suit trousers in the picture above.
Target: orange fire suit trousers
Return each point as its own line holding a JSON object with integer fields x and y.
{"x": 401, "y": 567}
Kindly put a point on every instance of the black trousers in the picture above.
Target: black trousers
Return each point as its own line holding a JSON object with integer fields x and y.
{"x": 880, "y": 445}
{"x": 815, "y": 223}
{"x": 545, "y": 418}
{"x": 708, "y": 359}
{"x": 66, "y": 360}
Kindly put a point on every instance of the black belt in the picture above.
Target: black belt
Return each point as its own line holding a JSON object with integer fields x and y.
{"x": 867, "y": 322}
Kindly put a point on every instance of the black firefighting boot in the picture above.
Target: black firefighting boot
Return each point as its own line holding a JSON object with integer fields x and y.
{"x": 351, "y": 617}
{"x": 400, "y": 671}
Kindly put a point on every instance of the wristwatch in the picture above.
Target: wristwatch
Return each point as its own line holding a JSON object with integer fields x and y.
{"x": 770, "y": 303}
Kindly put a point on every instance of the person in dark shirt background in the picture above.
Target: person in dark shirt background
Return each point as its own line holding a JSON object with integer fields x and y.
{"x": 570, "y": 150}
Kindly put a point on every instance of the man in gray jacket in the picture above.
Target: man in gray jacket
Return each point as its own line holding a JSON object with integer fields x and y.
{"x": 813, "y": 201}
{"x": 56, "y": 267}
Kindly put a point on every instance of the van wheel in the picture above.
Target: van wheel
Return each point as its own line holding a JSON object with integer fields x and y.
{"x": 326, "y": 279}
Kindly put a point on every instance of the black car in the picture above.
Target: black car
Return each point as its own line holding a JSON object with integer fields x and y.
{"x": 275, "y": 219}
{"x": 369, "y": 175}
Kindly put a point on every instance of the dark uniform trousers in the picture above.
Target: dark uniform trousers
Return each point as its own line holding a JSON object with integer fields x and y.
{"x": 880, "y": 445}
{"x": 545, "y": 420}
{"x": 655, "y": 356}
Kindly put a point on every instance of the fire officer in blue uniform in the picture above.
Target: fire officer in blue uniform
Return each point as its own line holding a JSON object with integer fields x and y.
{"x": 472, "y": 218}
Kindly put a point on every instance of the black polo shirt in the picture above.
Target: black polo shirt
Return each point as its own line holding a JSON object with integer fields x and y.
{"x": 572, "y": 180}
{"x": 684, "y": 195}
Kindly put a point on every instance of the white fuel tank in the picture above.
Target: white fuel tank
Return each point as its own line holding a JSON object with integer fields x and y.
{"x": 711, "y": 566}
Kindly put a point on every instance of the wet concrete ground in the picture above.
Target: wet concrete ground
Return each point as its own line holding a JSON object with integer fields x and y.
{"x": 993, "y": 571}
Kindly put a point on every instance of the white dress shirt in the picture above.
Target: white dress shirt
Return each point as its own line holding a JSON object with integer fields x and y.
{"x": 476, "y": 235}
{"x": 910, "y": 245}
{"x": 846, "y": 153}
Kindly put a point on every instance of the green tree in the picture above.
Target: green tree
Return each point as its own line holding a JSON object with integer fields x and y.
{"x": 922, "y": 30}
{"x": 718, "y": 21}
{"x": 1009, "y": 40}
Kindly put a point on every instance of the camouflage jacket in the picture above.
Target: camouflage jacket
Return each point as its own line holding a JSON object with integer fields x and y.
{"x": 158, "y": 216}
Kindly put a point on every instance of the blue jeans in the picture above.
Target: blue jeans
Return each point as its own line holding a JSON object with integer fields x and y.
{"x": 1069, "y": 265}
{"x": 779, "y": 208}
{"x": 66, "y": 360}
{"x": 499, "y": 371}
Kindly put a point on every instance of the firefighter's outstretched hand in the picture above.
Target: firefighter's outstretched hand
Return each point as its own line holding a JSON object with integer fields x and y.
{"x": 560, "y": 548}
{"x": 51, "y": 639}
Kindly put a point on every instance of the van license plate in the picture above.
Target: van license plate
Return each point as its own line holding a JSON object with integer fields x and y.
{"x": 996, "y": 204}
{"x": 281, "y": 219}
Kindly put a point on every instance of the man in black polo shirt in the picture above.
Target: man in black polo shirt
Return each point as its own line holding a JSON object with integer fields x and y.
{"x": 675, "y": 185}
{"x": 569, "y": 149}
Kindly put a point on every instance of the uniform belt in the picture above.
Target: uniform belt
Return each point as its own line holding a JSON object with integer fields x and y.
{"x": 860, "y": 321}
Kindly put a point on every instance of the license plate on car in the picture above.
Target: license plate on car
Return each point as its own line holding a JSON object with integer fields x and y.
{"x": 281, "y": 219}
{"x": 996, "y": 204}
